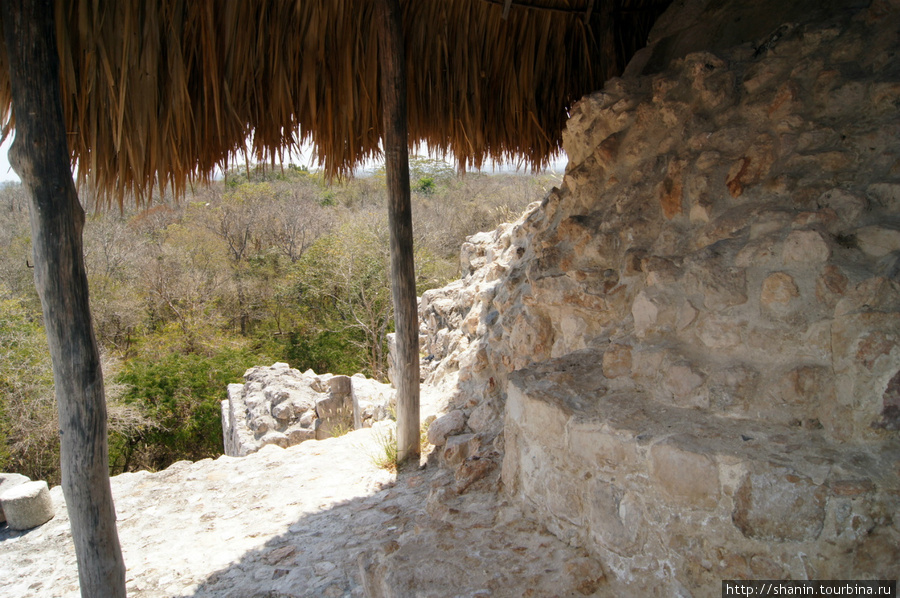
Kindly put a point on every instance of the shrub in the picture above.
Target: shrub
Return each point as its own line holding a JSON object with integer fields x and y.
{"x": 28, "y": 418}
{"x": 181, "y": 395}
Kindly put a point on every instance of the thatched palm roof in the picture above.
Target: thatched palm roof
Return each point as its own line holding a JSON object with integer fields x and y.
{"x": 163, "y": 92}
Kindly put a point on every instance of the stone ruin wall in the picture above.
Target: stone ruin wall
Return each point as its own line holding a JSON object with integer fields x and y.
{"x": 279, "y": 405}
{"x": 686, "y": 358}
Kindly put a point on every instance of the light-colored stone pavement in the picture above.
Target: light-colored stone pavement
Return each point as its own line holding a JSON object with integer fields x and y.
{"x": 317, "y": 519}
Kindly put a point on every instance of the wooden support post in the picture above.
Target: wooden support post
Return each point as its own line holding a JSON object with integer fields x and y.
{"x": 403, "y": 273}
{"x": 40, "y": 156}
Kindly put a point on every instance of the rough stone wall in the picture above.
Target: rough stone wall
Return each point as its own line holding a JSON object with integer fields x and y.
{"x": 721, "y": 262}
{"x": 281, "y": 406}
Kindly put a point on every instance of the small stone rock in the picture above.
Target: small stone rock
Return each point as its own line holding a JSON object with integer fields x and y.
{"x": 682, "y": 381}
{"x": 485, "y": 419}
{"x": 852, "y": 487}
{"x": 689, "y": 478}
{"x": 617, "y": 361}
{"x": 777, "y": 290}
{"x": 878, "y": 241}
{"x": 457, "y": 448}
{"x": 7, "y": 482}
{"x": 283, "y": 411}
{"x": 279, "y": 555}
{"x": 27, "y": 505}
{"x": 308, "y": 417}
{"x": 805, "y": 247}
{"x": 446, "y": 425}
{"x": 298, "y": 435}
{"x": 645, "y": 313}
{"x": 472, "y": 470}
{"x": 687, "y": 315}
{"x": 780, "y": 506}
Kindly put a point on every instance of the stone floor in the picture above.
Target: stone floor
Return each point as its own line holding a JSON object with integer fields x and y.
{"x": 317, "y": 519}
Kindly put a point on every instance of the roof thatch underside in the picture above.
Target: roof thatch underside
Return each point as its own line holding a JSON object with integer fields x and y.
{"x": 161, "y": 92}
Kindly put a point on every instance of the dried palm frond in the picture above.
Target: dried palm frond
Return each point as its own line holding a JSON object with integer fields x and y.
{"x": 163, "y": 92}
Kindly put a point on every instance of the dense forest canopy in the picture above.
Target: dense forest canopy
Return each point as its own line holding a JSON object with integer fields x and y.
{"x": 266, "y": 265}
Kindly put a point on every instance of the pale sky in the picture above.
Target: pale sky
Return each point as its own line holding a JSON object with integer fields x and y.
{"x": 7, "y": 173}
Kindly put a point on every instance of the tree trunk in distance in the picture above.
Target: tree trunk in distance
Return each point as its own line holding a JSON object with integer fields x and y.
{"x": 403, "y": 273}
{"x": 40, "y": 156}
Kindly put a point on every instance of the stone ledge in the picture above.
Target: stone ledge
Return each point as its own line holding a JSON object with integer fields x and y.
{"x": 658, "y": 491}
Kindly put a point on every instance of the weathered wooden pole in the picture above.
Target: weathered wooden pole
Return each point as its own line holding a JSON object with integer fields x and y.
{"x": 403, "y": 272}
{"x": 40, "y": 156}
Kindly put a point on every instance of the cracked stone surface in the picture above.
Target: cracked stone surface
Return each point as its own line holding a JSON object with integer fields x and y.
{"x": 316, "y": 519}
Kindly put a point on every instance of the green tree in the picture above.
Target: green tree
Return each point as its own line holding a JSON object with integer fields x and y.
{"x": 28, "y": 426}
{"x": 180, "y": 398}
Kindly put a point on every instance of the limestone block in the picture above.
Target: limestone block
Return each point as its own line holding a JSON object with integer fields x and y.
{"x": 645, "y": 313}
{"x": 308, "y": 417}
{"x": 592, "y": 448}
{"x": 485, "y": 419}
{"x": 540, "y": 419}
{"x": 446, "y": 425}
{"x": 671, "y": 193}
{"x": 712, "y": 81}
{"x": 721, "y": 285}
{"x": 805, "y": 247}
{"x": 878, "y": 241}
{"x": 831, "y": 285}
{"x": 283, "y": 411}
{"x": 687, "y": 315}
{"x": 27, "y": 505}
{"x": 557, "y": 492}
{"x": 617, "y": 361}
{"x": 727, "y": 226}
{"x": 778, "y": 505}
{"x": 335, "y": 412}
{"x": 886, "y": 194}
{"x": 458, "y": 448}
{"x": 778, "y": 289}
{"x": 298, "y": 435}
{"x": 890, "y": 414}
{"x": 646, "y": 364}
{"x": 730, "y": 388}
{"x": 752, "y": 167}
{"x": 660, "y": 271}
{"x": 262, "y": 423}
{"x": 683, "y": 381}
{"x": 588, "y": 127}
{"x": 807, "y": 385}
{"x": 847, "y": 206}
{"x": 275, "y": 437}
{"x": 877, "y": 294}
{"x": 689, "y": 478}
{"x": 866, "y": 357}
{"x": 613, "y": 517}
{"x": 7, "y": 482}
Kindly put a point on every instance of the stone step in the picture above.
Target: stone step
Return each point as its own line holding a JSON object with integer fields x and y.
{"x": 686, "y": 497}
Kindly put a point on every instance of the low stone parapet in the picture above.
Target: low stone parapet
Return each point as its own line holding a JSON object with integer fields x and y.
{"x": 282, "y": 406}
{"x": 672, "y": 498}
